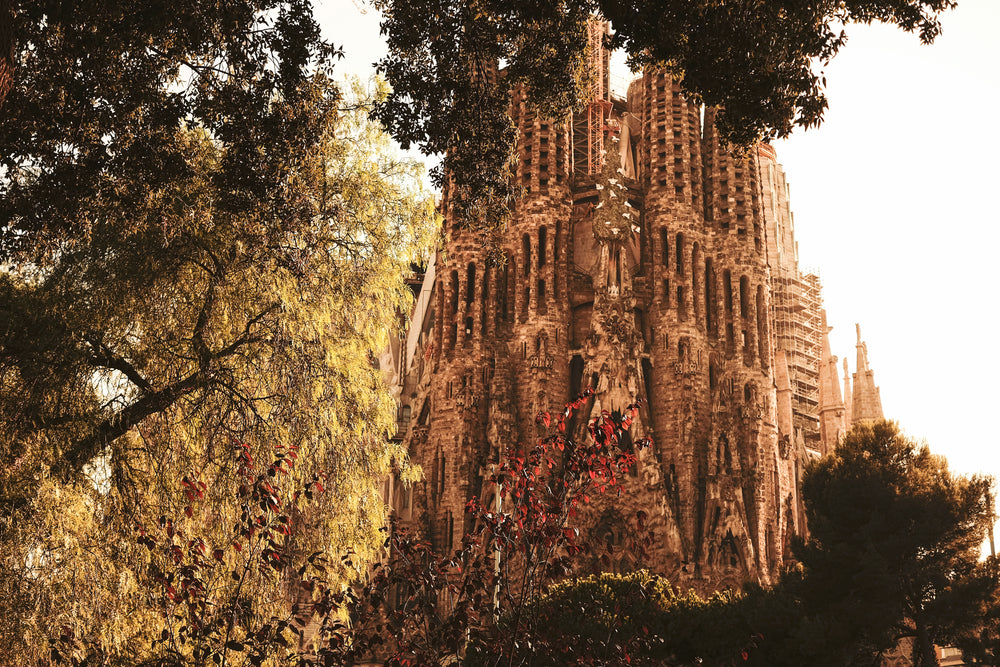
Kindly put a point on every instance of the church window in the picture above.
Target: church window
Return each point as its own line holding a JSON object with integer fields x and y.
{"x": 664, "y": 248}
{"x": 541, "y": 301}
{"x": 470, "y": 283}
{"x": 542, "y": 248}
{"x": 454, "y": 294}
{"x": 681, "y": 305}
{"x": 710, "y": 298}
{"x": 727, "y": 285}
{"x": 744, "y": 297}
{"x": 679, "y": 248}
{"x": 526, "y": 250}
{"x": 485, "y": 300}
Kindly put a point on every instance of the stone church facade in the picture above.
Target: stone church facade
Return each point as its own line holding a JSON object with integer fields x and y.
{"x": 646, "y": 262}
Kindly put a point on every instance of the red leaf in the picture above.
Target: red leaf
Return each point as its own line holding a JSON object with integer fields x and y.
{"x": 218, "y": 554}
{"x": 188, "y": 511}
{"x": 237, "y": 546}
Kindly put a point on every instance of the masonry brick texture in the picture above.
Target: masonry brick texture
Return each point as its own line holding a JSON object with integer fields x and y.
{"x": 673, "y": 305}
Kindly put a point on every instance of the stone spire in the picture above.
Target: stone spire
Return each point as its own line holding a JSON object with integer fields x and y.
{"x": 832, "y": 421}
{"x": 848, "y": 399}
{"x": 867, "y": 402}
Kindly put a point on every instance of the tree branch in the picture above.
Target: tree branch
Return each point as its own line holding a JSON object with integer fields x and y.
{"x": 119, "y": 423}
{"x": 104, "y": 357}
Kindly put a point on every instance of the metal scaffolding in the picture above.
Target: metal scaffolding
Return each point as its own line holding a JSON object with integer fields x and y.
{"x": 797, "y": 301}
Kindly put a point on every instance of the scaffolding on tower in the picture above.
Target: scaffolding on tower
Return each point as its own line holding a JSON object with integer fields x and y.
{"x": 591, "y": 126}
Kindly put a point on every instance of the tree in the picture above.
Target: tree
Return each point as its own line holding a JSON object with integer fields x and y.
{"x": 759, "y": 62}
{"x": 894, "y": 546}
{"x": 421, "y": 608}
{"x": 132, "y": 357}
{"x": 99, "y": 91}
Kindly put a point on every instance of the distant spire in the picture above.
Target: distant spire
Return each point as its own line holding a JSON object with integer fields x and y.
{"x": 831, "y": 404}
{"x": 848, "y": 399}
{"x": 867, "y": 402}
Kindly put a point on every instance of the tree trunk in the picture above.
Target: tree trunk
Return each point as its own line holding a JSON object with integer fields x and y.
{"x": 924, "y": 654}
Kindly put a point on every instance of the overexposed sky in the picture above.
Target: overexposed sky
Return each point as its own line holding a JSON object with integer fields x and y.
{"x": 895, "y": 207}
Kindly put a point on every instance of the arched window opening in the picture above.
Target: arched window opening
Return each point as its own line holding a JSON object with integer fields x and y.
{"x": 727, "y": 285}
{"x": 681, "y": 305}
{"x": 454, "y": 294}
{"x": 526, "y": 250}
{"x": 526, "y": 301}
{"x": 679, "y": 248}
{"x": 542, "y": 302}
{"x": 484, "y": 310}
{"x": 470, "y": 283}
{"x": 542, "y": 247}
{"x": 664, "y": 248}
{"x": 744, "y": 297}
{"x": 666, "y": 292}
{"x": 710, "y": 322}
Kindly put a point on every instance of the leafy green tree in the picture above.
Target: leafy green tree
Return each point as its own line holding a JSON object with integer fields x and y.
{"x": 894, "y": 547}
{"x": 760, "y": 62}
{"x": 139, "y": 345}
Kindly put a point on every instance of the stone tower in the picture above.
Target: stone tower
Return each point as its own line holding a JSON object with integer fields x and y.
{"x": 866, "y": 401}
{"x": 637, "y": 264}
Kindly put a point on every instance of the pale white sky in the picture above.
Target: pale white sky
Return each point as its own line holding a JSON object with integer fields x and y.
{"x": 895, "y": 208}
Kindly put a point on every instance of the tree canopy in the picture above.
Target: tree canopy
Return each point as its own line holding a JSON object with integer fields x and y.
{"x": 202, "y": 249}
{"x": 759, "y": 62}
{"x": 894, "y": 548}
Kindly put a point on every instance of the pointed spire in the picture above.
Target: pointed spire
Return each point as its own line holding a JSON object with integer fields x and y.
{"x": 848, "y": 398}
{"x": 831, "y": 404}
{"x": 867, "y": 402}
